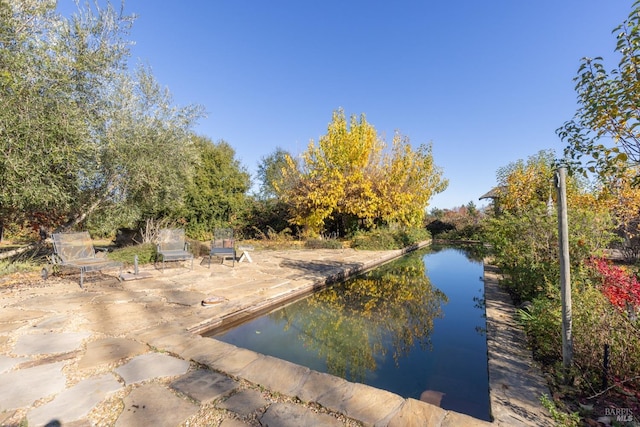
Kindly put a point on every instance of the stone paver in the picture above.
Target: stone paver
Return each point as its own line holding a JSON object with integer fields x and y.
{"x": 319, "y": 384}
{"x": 11, "y": 326}
{"x": 233, "y": 362}
{"x": 74, "y": 403}
{"x": 151, "y": 365}
{"x": 154, "y": 405}
{"x": 290, "y": 415}
{"x": 22, "y": 388}
{"x": 143, "y": 332}
{"x": 14, "y": 314}
{"x": 370, "y": 405}
{"x": 109, "y": 350}
{"x": 57, "y": 321}
{"x": 244, "y": 402}
{"x": 49, "y": 342}
{"x": 415, "y": 413}
{"x": 276, "y": 374}
{"x": 188, "y": 298}
{"x": 120, "y": 319}
{"x": 4, "y": 340}
{"x": 204, "y": 385}
{"x": 61, "y": 303}
{"x": 8, "y": 363}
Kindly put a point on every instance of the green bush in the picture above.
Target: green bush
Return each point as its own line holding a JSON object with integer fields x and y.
{"x": 146, "y": 254}
{"x": 542, "y": 322}
{"x": 596, "y": 323}
{"x": 8, "y": 267}
{"x": 468, "y": 232}
{"x": 525, "y": 247}
{"x": 387, "y": 239}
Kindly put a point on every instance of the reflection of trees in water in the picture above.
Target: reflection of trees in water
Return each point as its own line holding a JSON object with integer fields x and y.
{"x": 474, "y": 252}
{"x": 348, "y": 323}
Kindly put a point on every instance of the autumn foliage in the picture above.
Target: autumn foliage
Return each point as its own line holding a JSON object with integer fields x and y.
{"x": 620, "y": 287}
{"x": 352, "y": 180}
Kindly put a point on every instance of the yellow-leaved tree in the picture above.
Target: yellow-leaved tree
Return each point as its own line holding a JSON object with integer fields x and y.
{"x": 620, "y": 195}
{"x": 350, "y": 180}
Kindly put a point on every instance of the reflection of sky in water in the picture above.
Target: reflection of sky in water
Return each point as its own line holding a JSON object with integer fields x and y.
{"x": 455, "y": 364}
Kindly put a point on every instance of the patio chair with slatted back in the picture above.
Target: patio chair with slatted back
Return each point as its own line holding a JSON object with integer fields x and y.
{"x": 76, "y": 251}
{"x": 223, "y": 245}
{"x": 172, "y": 246}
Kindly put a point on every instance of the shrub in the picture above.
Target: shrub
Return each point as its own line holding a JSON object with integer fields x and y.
{"x": 595, "y": 323}
{"x": 387, "y": 239}
{"x": 146, "y": 254}
{"x": 8, "y": 267}
{"x": 542, "y": 322}
{"x": 525, "y": 246}
{"x": 618, "y": 285}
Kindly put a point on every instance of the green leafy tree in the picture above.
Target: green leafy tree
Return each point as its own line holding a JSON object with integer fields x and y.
{"x": 269, "y": 214}
{"x": 605, "y": 126}
{"x": 43, "y": 126}
{"x": 145, "y": 158}
{"x": 217, "y": 195}
{"x": 270, "y": 172}
{"x": 81, "y": 137}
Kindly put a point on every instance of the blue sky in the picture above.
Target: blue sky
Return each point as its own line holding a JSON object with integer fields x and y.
{"x": 486, "y": 82}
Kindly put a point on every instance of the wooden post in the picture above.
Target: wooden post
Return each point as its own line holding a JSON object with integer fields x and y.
{"x": 565, "y": 277}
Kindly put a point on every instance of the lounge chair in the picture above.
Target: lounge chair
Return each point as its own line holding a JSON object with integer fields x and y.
{"x": 172, "y": 246}
{"x": 75, "y": 250}
{"x": 223, "y": 245}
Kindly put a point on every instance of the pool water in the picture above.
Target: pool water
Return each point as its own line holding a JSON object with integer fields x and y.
{"x": 414, "y": 326}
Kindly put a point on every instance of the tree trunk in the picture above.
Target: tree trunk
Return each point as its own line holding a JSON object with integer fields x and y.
{"x": 70, "y": 224}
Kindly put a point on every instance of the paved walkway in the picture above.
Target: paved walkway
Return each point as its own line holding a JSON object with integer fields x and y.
{"x": 129, "y": 354}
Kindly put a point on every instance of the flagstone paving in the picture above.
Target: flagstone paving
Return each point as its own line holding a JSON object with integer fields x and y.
{"x": 128, "y": 353}
{"x": 205, "y": 386}
{"x": 75, "y": 402}
{"x": 21, "y": 388}
{"x": 151, "y": 365}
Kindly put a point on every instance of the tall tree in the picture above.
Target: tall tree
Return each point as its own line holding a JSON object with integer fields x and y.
{"x": 80, "y": 134}
{"x": 605, "y": 126}
{"x": 270, "y": 172}
{"x": 523, "y": 184}
{"x": 349, "y": 179}
{"x": 144, "y": 158}
{"x": 42, "y": 124}
{"x": 410, "y": 178}
{"x": 217, "y": 196}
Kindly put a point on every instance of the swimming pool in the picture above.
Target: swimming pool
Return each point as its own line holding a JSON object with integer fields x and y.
{"x": 414, "y": 326}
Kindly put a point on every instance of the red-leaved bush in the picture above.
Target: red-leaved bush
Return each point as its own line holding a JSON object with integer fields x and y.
{"x": 618, "y": 284}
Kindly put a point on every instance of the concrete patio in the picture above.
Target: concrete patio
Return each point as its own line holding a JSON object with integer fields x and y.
{"x": 129, "y": 353}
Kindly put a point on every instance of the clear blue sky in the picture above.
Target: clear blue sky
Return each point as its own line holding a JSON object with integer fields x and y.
{"x": 486, "y": 82}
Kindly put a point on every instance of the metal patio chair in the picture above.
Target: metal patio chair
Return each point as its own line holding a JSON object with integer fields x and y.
{"x": 76, "y": 251}
{"x": 223, "y": 245}
{"x": 172, "y": 246}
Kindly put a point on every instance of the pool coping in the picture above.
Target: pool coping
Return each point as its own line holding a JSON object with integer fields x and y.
{"x": 516, "y": 383}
